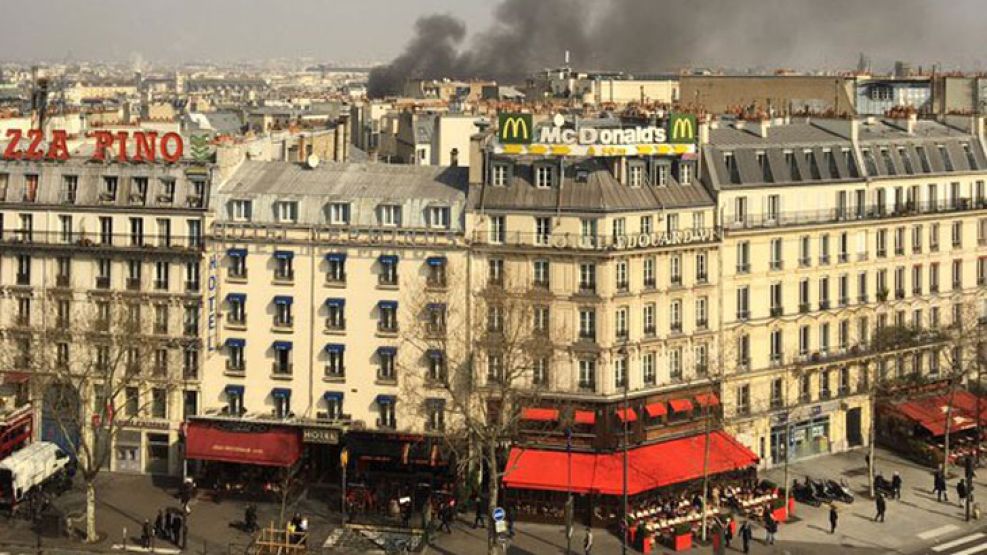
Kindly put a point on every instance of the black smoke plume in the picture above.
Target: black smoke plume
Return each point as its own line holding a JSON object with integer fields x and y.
{"x": 668, "y": 35}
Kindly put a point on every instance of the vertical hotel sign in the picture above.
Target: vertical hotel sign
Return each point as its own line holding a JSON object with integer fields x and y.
{"x": 212, "y": 289}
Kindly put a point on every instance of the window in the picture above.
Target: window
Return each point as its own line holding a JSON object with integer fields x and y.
{"x": 776, "y": 347}
{"x": 957, "y": 234}
{"x": 109, "y": 191}
{"x": 619, "y": 228}
{"x": 388, "y": 317}
{"x": 65, "y": 229}
{"x": 743, "y": 303}
{"x": 648, "y": 375}
{"x": 844, "y": 290}
{"x": 105, "y": 230}
{"x": 541, "y": 273}
{"x": 24, "y": 311}
{"x": 621, "y": 275}
{"x": 675, "y": 315}
{"x": 947, "y": 160}
{"x": 495, "y": 271}
{"x": 497, "y": 229}
{"x": 777, "y": 307}
{"x": 544, "y": 176}
{"x": 164, "y": 232}
{"x": 702, "y": 318}
{"x": 386, "y": 417}
{"x": 234, "y": 400}
{"x": 161, "y": 319}
{"x": 744, "y": 399}
{"x": 495, "y": 368}
{"x": 635, "y": 175}
{"x": 241, "y": 210}
{"x": 824, "y": 391}
{"x": 540, "y": 315}
{"x": 103, "y": 266}
{"x": 700, "y": 357}
{"x": 587, "y": 374}
{"x": 167, "y": 195}
{"x": 648, "y": 319}
{"x": 765, "y": 166}
{"x": 335, "y": 314}
{"x": 824, "y": 293}
{"x": 339, "y": 213}
{"x": 804, "y": 256}
{"x": 620, "y": 372}
{"x": 498, "y": 175}
{"x": 646, "y": 225}
{"x": 844, "y": 247}
{"x": 435, "y": 410}
{"x": 824, "y": 338}
{"x": 662, "y": 177}
{"x": 587, "y": 277}
{"x": 743, "y": 257}
{"x": 286, "y": 212}
{"x": 336, "y": 361}
{"x": 336, "y": 268}
{"x": 389, "y": 215}
{"x": 385, "y": 364}
{"x": 882, "y": 243}
{"x": 675, "y": 269}
{"x": 587, "y": 324}
{"x": 777, "y": 401}
{"x": 824, "y": 249}
{"x": 805, "y": 341}
{"x": 438, "y": 217}
{"x": 282, "y": 312}
{"x": 701, "y": 275}
{"x": 685, "y": 173}
{"x": 805, "y": 392}
{"x": 773, "y": 208}
{"x": 543, "y": 230}
{"x": 194, "y": 230}
{"x": 740, "y": 210}
{"x": 957, "y": 274}
{"x": 70, "y": 187}
{"x": 648, "y": 272}
{"x": 777, "y": 262}
{"x": 675, "y": 363}
{"x": 899, "y": 241}
{"x": 744, "y": 352}
{"x": 284, "y": 269}
{"x": 133, "y": 275}
{"x": 732, "y": 170}
{"x": 63, "y": 271}
{"x": 917, "y": 279}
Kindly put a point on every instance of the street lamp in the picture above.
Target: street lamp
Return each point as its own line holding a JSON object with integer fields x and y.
{"x": 626, "y": 383}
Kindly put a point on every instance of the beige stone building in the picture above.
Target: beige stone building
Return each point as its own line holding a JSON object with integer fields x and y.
{"x": 78, "y": 238}
{"x": 833, "y": 230}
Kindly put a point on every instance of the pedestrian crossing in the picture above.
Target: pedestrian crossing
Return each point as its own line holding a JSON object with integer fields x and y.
{"x": 971, "y": 544}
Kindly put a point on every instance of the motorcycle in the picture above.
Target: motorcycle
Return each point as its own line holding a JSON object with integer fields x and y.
{"x": 820, "y": 491}
{"x": 804, "y": 493}
{"x": 839, "y": 491}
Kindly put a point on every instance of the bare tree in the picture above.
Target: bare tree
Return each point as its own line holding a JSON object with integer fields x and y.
{"x": 90, "y": 373}
{"x": 484, "y": 355}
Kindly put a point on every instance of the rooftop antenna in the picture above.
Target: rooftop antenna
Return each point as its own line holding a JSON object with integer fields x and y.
{"x": 566, "y": 58}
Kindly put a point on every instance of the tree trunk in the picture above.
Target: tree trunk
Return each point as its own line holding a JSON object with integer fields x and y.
{"x": 493, "y": 491}
{"x": 91, "y": 535}
{"x": 872, "y": 443}
{"x": 949, "y": 421}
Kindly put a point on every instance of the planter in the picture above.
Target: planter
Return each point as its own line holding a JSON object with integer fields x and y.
{"x": 779, "y": 515}
{"x": 791, "y": 506}
{"x": 632, "y": 534}
{"x": 682, "y": 542}
{"x": 647, "y": 543}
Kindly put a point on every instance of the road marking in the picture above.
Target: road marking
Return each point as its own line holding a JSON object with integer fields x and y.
{"x": 972, "y": 550}
{"x": 936, "y": 532}
{"x": 961, "y": 541}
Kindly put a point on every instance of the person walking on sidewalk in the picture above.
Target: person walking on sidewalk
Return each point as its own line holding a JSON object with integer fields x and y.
{"x": 896, "y": 485}
{"x": 833, "y": 517}
{"x": 745, "y": 535}
{"x": 939, "y": 481}
{"x": 481, "y": 510}
{"x": 770, "y": 528}
{"x": 881, "y": 507}
{"x": 588, "y": 541}
{"x": 961, "y": 491}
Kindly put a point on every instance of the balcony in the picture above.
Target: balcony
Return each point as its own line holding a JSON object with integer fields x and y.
{"x": 387, "y": 327}
{"x": 844, "y": 257}
{"x": 237, "y": 274}
{"x": 743, "y": 268}
{"x": 917, "y": 291}
{"x": 804, "y": 308}
{"x": 776, "y": 359}
{"x": 899, "y": 294}
{"x": 335, "y": 279}
{"x": 844, "y": 301}
{"x": 824, "y": 260}
{"x": 743, "y": 315}
{"x": 334, "y": 373}
{"x": 825, "y": 394}
{"x": 190, "y": 374}
{"x": 587, "y": 288}
{"x": 335, "y": 324}
{"x": 702, "y": 324}
{"x": 824, "y": 304}
{"x": 777, "y": 311}
{"x": 160, "y": 328}
{"x": 133, "y": 284}
{"x": 623, "y": 287}
{"x": 284, "y": 276}
{"x": 701, "y": 279}
{"x": 676, "y": 281}
{"x": 863, "y": 299}
{"x": 160, "y": 285}
{"x": 863, "y": 257}
{"x": 192, "y": 286}
{"x": 283, "y": 322}
{"x": 190, "y": 330}
{"x": 882, "y": 253}
{"x": 595, "y": 243}
{"x": 899, "y": 250}
{"x": 743, "y": 364}
{"x": 282, "y": 370}
{"x": 649, "y": 331}
{"x": 882, "y": 295}
{"x": 743, "y": 410}
{"x": 805, "y": 262}
{"x": 649, "y": 283}
{"x": 777, "y": 265}
{"x": 102, "y": 282}
{"x": 387, "y": 280}
{"x": 233, "y": 319}
{"x": 23, "y": 279}
{"x": 676, "y": 327}
{"x": 63, "y": 281}
{"x": 587, "y": 386}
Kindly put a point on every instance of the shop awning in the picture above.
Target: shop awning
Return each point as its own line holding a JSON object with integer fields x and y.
{"x": 680, "y": 405}
{"x": 237, "y": 253}
{"x": 387, "y": 351}
{"x": 391, "y": 305}
{"x": 236, "y": 297}
{"x": 333, "y": 395}
{"x": 930, "y": 412}
{"x": 281, "y": 393}
{"x": 388, "y": 259}
{"x": 585, "y": 417}
{"x": 336, "y": 302}
{"x": 272, "y": 446}
{"x": 436, "y": 261}
{"x": 335, "y": 348}
{"x": 656, "y": 410}
{"x": 235, "y": 342}
{"x": 707, "y": 400}
{"x": 283, "y": 299}
{"x": 649, "y": 467}
{"x": 234, "y": 390}
{"x": 336, "y": 257}
{"x": 540, "y": 415}
{"x": 627, "y": 415}
{"x": 284, "y": 255}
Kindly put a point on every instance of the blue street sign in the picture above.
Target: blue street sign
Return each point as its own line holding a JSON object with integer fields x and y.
{"x": 499, "y": 514}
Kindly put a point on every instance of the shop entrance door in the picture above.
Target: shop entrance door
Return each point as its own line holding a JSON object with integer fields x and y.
{"x": 853, "y": 434}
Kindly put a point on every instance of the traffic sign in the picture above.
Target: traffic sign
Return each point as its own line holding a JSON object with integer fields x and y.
{"x": 499, "y": 514}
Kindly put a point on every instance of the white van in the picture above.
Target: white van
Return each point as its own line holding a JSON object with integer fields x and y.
{"x": 31, "y": 468}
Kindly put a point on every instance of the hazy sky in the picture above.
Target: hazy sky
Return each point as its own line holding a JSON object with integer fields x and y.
{"x": 756, "y": 31}
{"x": 188, "y": 30}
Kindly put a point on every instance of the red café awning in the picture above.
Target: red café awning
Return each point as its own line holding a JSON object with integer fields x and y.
{"x": 707, "y": 400}
{"x": 626, "y": 415}
{"x": 586, "y": 417}
{"x": 656, "y": 410}
{"x": 649, "y": 467}
{"x": 930, "y": 412}
{"x": 680, "y": 405}
{"x": 271, "y": 447}
{"x": 540, "y": 415}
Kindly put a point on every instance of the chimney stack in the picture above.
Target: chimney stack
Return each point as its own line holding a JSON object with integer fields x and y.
{"x": 911, "y": 123}
{"x": 763, "y": 126}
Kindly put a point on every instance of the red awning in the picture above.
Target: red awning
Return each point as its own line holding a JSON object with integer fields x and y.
{"x": 626, "y": 415}
{"x": 271, "y": 447}
{"x": 707, "y": 400}
{"x": 587, "y": 417}
{"x": 540, "y": 415}
{"x": 680, "y": 405}
{"x": 649, "y": 467}
{"x": 930, "y": 412}
{"x": 656, "y": 410}
{"x": 16, "y": 377}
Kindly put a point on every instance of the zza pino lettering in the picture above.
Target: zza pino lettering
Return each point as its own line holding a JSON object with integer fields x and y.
{"x": 120, "y": 146}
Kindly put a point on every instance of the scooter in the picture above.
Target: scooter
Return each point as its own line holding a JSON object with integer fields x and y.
{"x": 820, "y": 491}
{"x": 883, "y": 486}
{"x": 804, "y": 493}
{"x": 839, "y": 491}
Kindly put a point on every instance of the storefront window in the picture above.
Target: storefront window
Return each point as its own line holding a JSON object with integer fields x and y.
{"x": 158, "y": 447}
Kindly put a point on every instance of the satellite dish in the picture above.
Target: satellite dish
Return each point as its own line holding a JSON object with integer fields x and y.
{"x": 312, "y": 161}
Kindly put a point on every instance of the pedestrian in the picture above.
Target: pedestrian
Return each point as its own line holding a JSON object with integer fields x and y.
{"x": 159, "y": 524}
{"x": 146, "y": 534}
{"x": 176, "y": 531}
{"x": 961, "y": 491}
{"x": 445, "y": 515}
{"x": 588, "y": 542}
{"x": 881, "y": 506}
{"x": 896, "y": 485}
{"x": 480, "y": 511}
{"x": 727, "y": 532}
{"x": 168, "y": 526}
{"x": 867, "y": 459}
{"x": 770, "y": 528}
{"x": 833, "y": 517}
{"x": 510, "y": 519}
{"x": 942, "y": 494}
{"x": 292, "y": 531}
{"x": 303, "y": 530}
{"x": 745, "y": 535}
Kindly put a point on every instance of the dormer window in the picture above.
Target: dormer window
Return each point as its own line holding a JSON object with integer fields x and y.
{"x": 793, "y": 168}
{"x": 661, "y": 177}
{"x": 635, "y": 174}
{"x": 498, "y": 174}
{"x": 438, "y": 217}
{"x": 685, "y": 173}
{"x": 241, "y": 210}
{"x": 389, "y": 215}
{"x": 945, "y": 157}
{"x": 732, "y": 170}
{"x": 286, "y": 211}
{"x": 762, "y": 163}
{"x": 544, "y": 176}
{"x": 339, "y": 213}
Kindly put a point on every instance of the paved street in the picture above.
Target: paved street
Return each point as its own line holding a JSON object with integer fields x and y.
{"x": 916, "y": 525}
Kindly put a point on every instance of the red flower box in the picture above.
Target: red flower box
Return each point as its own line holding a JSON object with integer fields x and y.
{"x": 683, "y": 542}
{"x": 779, "y": 515}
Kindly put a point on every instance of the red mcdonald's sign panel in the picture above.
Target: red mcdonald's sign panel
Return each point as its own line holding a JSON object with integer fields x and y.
{"x": 146, "y": 146}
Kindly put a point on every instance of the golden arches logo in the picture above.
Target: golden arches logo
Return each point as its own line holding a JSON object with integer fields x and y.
{"x": 514, "y": 128}
{"x": 683, "y": 129}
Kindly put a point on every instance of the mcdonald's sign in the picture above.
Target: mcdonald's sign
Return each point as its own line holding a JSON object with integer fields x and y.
{"x": 514, "y": 129}
{"x": 682, "y": 129}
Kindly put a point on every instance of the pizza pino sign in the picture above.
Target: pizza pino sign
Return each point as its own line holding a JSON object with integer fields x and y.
{"x": 121, "y": 146}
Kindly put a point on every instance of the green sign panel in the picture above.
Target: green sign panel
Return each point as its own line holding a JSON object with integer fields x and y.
{"x": 682, "y": 129}
{"x": 515, "y": 129}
